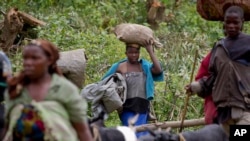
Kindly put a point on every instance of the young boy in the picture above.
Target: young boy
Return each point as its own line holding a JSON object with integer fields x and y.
{"x": 229, "y": 73}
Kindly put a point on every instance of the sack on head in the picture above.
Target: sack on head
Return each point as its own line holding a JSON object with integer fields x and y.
{"x": 213, "y": 10}
{"x": 135, "y": 34}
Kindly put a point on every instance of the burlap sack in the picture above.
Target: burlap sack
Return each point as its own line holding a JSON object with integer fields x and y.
{"x": 213, "y": 10}
{"x": 72, "y": 63}
{"x": 135, "y": 33}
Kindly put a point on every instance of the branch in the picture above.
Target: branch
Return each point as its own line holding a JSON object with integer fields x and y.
{"x": 3, "y": 13}
{"x": 172, "y": 124}
{"x": 30, "y": 19}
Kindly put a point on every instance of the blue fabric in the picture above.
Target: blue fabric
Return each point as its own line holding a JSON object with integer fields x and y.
{"x": 146, "y": 67}
{"x": 142, "y": 119}
{"x": 6, "y": 64}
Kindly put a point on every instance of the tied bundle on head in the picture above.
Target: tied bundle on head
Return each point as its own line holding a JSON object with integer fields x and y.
{"x": 213, "y": 10}
{"x": 136, "y": 34}
{"x": 132, "y": 45}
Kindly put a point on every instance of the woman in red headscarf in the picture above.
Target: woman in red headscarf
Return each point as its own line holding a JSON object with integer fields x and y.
{"x": 41, "y": 104}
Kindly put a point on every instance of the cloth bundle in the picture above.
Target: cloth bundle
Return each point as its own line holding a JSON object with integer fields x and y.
{"x": 106, "y": 95}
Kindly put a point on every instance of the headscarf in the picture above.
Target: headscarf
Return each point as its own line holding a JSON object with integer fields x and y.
{"x": 16, "y": 83}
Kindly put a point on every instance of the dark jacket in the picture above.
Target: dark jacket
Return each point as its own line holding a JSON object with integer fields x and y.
{"x": 229, "y": 79}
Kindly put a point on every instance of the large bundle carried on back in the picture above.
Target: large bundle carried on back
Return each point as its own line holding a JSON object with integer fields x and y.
{"x": 213, "y": 10}
{"x": 72, "y": 64}
{"x": 135, "y": 34}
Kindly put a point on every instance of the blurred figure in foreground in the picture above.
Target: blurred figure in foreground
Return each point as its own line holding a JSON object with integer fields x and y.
{"x": 40, "y": 103}
{"x": 5, "y": 73}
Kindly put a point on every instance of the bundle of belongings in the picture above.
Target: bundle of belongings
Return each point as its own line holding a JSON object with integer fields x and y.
{"x": 46, "y": 119}
{"x": 72, "y": 64}
{"x": 106, "y": 95}
{"x": 136, "y": 34}
{"x": 213, "y": 10}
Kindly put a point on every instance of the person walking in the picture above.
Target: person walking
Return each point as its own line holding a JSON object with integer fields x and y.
{"x": 140, "y": 76}
{"x": 40, "y": 104}
{"x": 229, "y": 70}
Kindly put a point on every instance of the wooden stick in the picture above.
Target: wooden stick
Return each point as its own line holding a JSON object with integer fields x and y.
{"x": 152, "y": 111}
{"x": 188, "y": 94}
{"x": 172, "y": 124}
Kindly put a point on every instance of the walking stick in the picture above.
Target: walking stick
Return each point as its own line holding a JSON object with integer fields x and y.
{"x": 188, "y": 94}
{"x": 152, "y": 112}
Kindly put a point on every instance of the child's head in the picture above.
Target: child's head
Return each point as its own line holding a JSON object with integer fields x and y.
{"x": 133, "y": 52}
{"x": 235, "y": 10}
{"x": 233, "y": 21}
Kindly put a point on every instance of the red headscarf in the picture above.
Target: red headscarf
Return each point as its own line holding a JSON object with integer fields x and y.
{"x": 16, "y": 83}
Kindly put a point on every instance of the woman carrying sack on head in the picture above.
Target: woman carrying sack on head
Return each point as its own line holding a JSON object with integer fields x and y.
{"x": 140, "y": 76}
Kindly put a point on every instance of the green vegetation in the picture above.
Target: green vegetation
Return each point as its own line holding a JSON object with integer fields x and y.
{"x": 88, "y": 24}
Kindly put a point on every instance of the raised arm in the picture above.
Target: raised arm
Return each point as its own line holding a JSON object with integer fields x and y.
{"x": 156, "y": 69}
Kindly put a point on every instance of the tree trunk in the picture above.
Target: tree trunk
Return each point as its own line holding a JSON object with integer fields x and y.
{"x": 172, "y": 124}
{"x": 155, "y": 13}
{"x": 13, "y": 24}
{"x": 152, "y": 7}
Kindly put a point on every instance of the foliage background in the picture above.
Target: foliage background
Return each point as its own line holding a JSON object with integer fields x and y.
{"x": 88, "y": 24}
